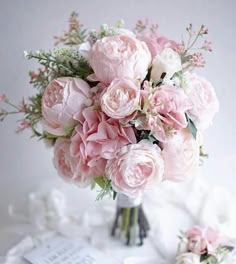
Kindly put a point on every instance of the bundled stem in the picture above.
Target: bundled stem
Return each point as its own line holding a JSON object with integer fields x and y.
{"x": 131, "y": 224}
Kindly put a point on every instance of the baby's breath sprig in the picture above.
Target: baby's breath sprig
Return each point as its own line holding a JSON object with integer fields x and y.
{"x": 75, "y": 35}
{"x": 105, "y": 31}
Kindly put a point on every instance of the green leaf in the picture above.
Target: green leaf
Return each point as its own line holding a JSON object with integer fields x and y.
{"x": 192, "y": 127}
{"x": 229, "y": 248}
{"x": 203, "y": 257}
{"x": 114, "y": 195}
{"x": 49, "y": 136}
{"x": 208, "y": 259}
{"x": 93, "y": 184}
{"x": 101, "y": 181}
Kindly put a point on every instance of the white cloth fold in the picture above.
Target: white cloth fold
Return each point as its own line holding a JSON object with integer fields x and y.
{"x": 170, "y": 208}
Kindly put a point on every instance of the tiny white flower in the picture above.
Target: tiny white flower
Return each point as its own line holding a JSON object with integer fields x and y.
{"x": 104, "y": 27}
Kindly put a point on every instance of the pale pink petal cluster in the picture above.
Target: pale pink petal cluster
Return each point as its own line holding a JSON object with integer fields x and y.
{"x": 119, "y": 56}
{"x": 164, "y": 110}
{"x": 171, "y": 104}
{"x": 135, "y": 167}
{"x": 97, "y": 140}
{"x": 63, "y": 98}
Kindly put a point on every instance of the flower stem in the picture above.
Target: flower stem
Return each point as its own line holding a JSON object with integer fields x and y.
{"x": 132, "y": 224}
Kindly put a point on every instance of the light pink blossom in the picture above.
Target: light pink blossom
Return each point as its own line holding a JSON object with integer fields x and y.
{"x": 119, "y": 56}
{"x": 3, "y": 97}
{"x": 135, "y": 167}
{"x": 121, "y": 98}
{"x": 171, "y": 104}
{"x": 97, "y": 140}
{"x": 198, "y": 60}
{"x": 207, "y": 45}
{"x": 163, "y": 110}
{"x": 24, "y": 124}
{"x": 63, "y": 98}
{"x": 203, "y": 98}
{"x": 181, "y": 156}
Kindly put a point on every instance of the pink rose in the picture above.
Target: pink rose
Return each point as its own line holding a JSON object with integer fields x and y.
{"x": 119, "y": 56}
{"x": 63, "y": 98}
{"x": 157, "y": 43}
{"x": 68, "y": 166}
{"x": 181, "y": 156}
{"x": 202, "y": 241}
{"x": 135, "y": 167}
{"x": 121, "y": 98}
{"x": 98, "y": 139}
{"x": 171, "y": 104}
{"x": 204, "y": 100}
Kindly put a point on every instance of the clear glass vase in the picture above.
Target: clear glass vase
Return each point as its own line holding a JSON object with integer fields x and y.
{"x": 131, "y": 223}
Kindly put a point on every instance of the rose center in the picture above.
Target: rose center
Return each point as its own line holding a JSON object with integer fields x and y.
{"x": 54, "y": 96}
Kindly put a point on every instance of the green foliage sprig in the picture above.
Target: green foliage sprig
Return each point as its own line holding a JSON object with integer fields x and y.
{"x": 62, "y": 62}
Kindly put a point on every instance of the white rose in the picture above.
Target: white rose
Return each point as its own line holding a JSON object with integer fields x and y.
{"x": 202, "y": 95}
{"x": 188, "y": 258}
{"x": 167, "y": 61}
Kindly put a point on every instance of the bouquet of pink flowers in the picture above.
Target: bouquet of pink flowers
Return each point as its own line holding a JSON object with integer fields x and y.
{"x": 203, "y": 245}
{"x": 122, "y": 110}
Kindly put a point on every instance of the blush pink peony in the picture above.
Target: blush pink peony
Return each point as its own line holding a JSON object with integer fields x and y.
{"x": 119, "y": 56}
{"x": 157, "y": 43}
{"x": 98, "y": 139}
{"x": 204, "y": 100}
{"x": 181, "y": 156}
{"x": 135, "y": 167}
{"x": 121, "y": 98}
{"x": 63, "y": 98}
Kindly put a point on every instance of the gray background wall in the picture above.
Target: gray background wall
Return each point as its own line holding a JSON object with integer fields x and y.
{"x": 25, "y": 164}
